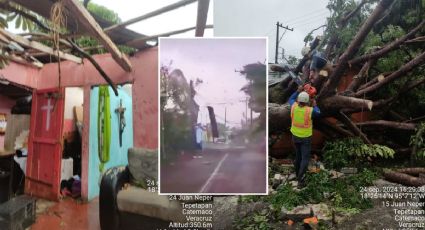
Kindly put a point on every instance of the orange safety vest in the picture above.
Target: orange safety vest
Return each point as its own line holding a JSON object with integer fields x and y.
{"x": 301, "y": 125}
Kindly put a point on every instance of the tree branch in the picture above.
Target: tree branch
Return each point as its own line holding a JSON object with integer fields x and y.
{"x": 389, "y": 47}
{"x": 341, "y": 23}
{"x": 347, "y": 122}
{"x": 96, "y": 65}
{"x": 352, "y": 49}
{"x": 375, "y": 79}
{"x": 417, "y": 39}
{"x": 389, "y": 124}
{"x": 335, "y": 128}
{"x": 292, "y": 86}
{"x": 419, "y": 60}
{"x": 349, "y": 15}
{"x": 360, "y": 77}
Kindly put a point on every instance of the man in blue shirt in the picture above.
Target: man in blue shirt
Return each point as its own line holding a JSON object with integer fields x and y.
{"x": 198, "y": 135}
{"x": 302, "y": 130}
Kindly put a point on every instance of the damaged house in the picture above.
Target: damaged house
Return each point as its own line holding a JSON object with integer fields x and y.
{"x": 72, "y": 109}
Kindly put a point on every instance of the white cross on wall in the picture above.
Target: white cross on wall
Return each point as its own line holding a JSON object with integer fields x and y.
{"x": 49, "y": 108}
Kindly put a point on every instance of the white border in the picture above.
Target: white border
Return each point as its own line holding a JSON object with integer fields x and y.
{"x": 159, "y": 116}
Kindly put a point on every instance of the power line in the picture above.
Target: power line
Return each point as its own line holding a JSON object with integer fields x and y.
{"x": 309, "y": 24}
{"x": 310, "y": 19}
{"x": 320, "y": 11}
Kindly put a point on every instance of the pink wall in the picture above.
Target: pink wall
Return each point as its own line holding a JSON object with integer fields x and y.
{"x": 145, "y": 92}
{"x": 6, "y": 105}
{"x": 145, "y": 99}
{"x": 145, "y": 87}
{"x": 145, "y": 95}
{"x": 21, "y": 74}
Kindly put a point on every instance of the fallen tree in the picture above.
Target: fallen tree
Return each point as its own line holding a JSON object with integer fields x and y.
{"x": 403, "y": 176}
{"x": 385, "y": 71}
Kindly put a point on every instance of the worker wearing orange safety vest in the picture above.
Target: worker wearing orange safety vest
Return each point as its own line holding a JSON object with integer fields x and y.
{"x": 302, "y": 130}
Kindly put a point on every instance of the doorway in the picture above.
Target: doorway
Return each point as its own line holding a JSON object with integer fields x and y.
{"x": 43, "y": 168}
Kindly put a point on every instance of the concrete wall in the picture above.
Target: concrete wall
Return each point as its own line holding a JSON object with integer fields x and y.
{"x": 118, "y": 154}
{"x": 6, "y": 105}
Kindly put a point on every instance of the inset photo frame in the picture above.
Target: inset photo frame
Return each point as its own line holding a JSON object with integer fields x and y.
{"x": 213, "y": 110}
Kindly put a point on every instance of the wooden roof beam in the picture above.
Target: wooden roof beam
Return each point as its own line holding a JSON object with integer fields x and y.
{"x": 40, "y": 47}
{"x": 80, "y": 13}
{"x": 201, "y": 19}
{"x": 138, "y": 42}
{"x": 23, "y": 61}
{"x": 151, "y": 14}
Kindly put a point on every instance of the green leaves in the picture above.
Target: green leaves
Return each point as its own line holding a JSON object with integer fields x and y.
{"x": 418, "y": 140}
{"x": 3, "y": 22}
{"x": 286, "y": 197}
{"x": 257, "y": 221}
{"x": 21, "y": 22}
{"x": 339, "y": 153}
{"x": 103, "y": 12}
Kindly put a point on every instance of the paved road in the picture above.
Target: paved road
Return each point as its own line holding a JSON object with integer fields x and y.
{"x": 222, "y": 169}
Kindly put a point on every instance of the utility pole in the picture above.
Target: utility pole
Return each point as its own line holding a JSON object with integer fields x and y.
{"x": 277, "y": 38}
{"x": 283, "y": 53}
{"x": 246, "y": 112}
{"x": 251, "y": 117}
{"x": 225, "y": 117}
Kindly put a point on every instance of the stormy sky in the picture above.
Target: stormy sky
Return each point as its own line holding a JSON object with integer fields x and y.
{"x": 258, "y": 18}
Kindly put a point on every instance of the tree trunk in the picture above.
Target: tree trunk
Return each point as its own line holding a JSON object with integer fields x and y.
{"x": 342, "y": 102}
{"x": 389, "y": 124}
{"x": 279, "y": 117}
{"x": 412, "y": 171}
{"x": 342, "y": 63}
{"x": 403, "y": 178}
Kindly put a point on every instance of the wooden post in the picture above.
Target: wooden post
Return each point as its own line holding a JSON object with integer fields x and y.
{"x": 201, "y": 19}
{"x": 80, "y": 13}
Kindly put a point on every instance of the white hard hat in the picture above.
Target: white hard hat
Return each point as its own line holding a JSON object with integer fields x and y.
{"x": 305, "y": 50}
{"x": 303, "y": 97}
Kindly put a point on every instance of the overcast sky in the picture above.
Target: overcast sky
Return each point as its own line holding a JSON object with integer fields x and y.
{"x": 179, "y": 18}
{"x": 215, "y": 61}
{"x": 258, "y": 18}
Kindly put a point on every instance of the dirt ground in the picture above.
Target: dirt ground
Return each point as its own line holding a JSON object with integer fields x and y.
{"x": 377, "y": 217}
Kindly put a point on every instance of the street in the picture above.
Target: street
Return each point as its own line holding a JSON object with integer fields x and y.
{"x": 222, "y": 169}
